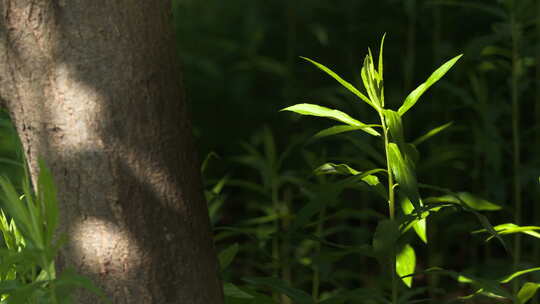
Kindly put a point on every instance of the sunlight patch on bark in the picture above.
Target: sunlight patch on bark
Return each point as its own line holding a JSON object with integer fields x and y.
{"x": 105, "y": 248}
{"x": 75, "y": 121}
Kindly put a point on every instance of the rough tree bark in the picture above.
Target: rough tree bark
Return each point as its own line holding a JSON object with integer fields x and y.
{"x": 93, "y": 88}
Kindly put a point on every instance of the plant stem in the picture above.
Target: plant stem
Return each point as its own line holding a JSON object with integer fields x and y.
{"x": 391, "y": 207}
{"x": 515, "y": 138}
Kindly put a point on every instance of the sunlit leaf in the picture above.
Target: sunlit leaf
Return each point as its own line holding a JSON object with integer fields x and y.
{"x": 405, "y": 264}
{"x": 511, "y": 228}
{"x": 419, "y": 225}
{"x": 404, "y": 175}
{"x": 526, "y": 292}
{"x": 344, "y": 83}
{"x": 330, "y": 168}
{"x": 341, "y": 129}
{"x": 381, "y": 57}
{"x": 431, "y": 133}
{"x": 15, "y": 207}
{"x": 395, "y": 126}
{"x": 371, "y": 80}
{"x": 316, "y": 110}
{"x": 517, "y": 274}
{"x": 471, "y": 200}
{"x": 413, "y": 97}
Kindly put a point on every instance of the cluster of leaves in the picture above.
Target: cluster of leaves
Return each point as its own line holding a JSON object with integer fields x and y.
{"x": 27, "y": 267}
{"x": 389, "y": 242}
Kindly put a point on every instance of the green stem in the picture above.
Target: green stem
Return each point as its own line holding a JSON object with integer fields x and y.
{"x": 391, "y": 207}
{"x": 516, "y": 146}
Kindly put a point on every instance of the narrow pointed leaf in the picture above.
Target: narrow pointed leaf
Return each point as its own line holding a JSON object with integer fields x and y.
{"x": 232, "y": 291}
{"x": 402, "y": 171}
{"x": 341, "y": 129}
{"x": 227, "y": 256}
{"x": 419, "y": 225}
{"x": 511, "y": 228}
{"x": 470, "y": 200}
{"x": 344, "y": 83}
{"x": 381, "y": 57}
{"x": 343, "y": 169}
{"x": 405, "y": 264}
{"x": 413, "y": 97}
{"x": 330, "y": 168}
{"x": 431, "y": 133}
{"x": 527, "y": 291}
{"x": 320, "y": 111}
{"x": 517, "y": 274}
{"x": 49, "y": 203}
{"x": 395, "y": 126}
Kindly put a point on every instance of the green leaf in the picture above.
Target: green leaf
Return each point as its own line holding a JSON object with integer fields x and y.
{"x": 371, "y": 80}
{"x": 511, "y": 228}
{"x": 517, "y": 274}
{"x": 316, "y": 110}
{"x": 304, "y": 215}
{"x": 381, "y": 57}
{"x": 341, "y": 129}
{"x": 402, "y": 171}
{"x": 405, "y": 264}
{"x": 413, "y": 97}
{"x": 330, "y": 168}
{"x": 343, "y": 169}
{"x": 431, "y": 133}
{"x": 231, "y": 290}
{"x": 226, "y": 256}
{"x": 419, "y": 225}
{"x": 344, "y": 83}
{"x": 15, "y": 208}
{"x": 297, "y": 295}
{"x": 47, "y": 200}
{"x": 469, "y": 199}
{"x": 395, "y": 126}
{"x": 527, "y": 291}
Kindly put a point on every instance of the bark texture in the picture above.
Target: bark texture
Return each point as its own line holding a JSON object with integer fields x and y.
{"x": 93, "y": 88}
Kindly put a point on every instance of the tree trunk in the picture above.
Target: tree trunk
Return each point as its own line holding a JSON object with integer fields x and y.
{"x": 94, "y": 89}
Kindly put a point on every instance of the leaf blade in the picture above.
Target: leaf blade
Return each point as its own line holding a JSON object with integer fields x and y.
{"x": 413, "y": 97}
{"x": 320, "y": 111}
